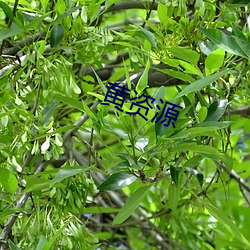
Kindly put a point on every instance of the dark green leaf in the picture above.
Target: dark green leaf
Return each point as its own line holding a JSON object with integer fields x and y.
{"x": 216, "y": 110}
{"x": 56, "y": 35}
{"x": 174, "y": 172}
{"x": 223, "y": 41}
{"x": 198, "y": 175}
{"x": 245, "y": 2}
{"x": 7, "y": 10}
{"x": 117, "y": 181}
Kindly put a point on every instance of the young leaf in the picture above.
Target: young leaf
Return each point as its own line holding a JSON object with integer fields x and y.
{"x": 8, "y": 180}
{"x": 117, "y": 181}
{"x": 56, "y": 35}
{"x": 162, "y": 12}
{"x": 214, "y": 61}
{"x": 143, "y": 81}
{"x": 132, "y": 203}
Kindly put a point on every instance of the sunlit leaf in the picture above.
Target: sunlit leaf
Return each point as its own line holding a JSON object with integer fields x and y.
{"x": 8, "y": 180}
{"x": 117, "y": 181}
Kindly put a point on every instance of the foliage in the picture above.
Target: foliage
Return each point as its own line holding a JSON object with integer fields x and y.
{"x": 75, "y": 174}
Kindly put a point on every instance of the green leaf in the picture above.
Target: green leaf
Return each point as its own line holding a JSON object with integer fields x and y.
{"x": 8, "y": 180}
{"x": 117, "y": 181}
{"x": 216, "y": 110}
{"x": 174, "y": 172}
{"x": 186, "y": 54}
{"x": 202, "y": 114}
{"x": 66, "y": 172}
{"x": 219, "y": 125}
{"x": 245, "y": 2}
{"x": 56, "y": 35}
{"x": 198, "y": 175}
{"x": 193, "y": 132}
{"x": 214, "y": 61}
{"x": 49, "y": 244}
{"x": 34, "y": 183}
{"x": 162, "y": 12}
{"x": 197, "y": 85}
{"x": 173, "y": 196}
{"x": 223, "y": 41}
{"x": 13, "y": 246}
{"x": 70, "y": 101}
{"x": 132, "y": 203}
{"x": 41, "y": 243}
{"x": 98, "y": 210}
{"x": 13, "y": 31}
{"x": 147, "y": 35}
{"x": 177, "y": 74}
{"x": 7, "y": 10}
{"x": 104, "y": 88}
{"x": 227, "y": 223}
{"x": 143, "y": 81}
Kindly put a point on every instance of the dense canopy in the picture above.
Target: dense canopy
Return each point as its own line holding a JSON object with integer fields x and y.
{"x": 124, "y": 124}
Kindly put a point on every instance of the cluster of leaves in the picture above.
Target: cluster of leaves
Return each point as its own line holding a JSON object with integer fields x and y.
{"x": 166, "y": 188}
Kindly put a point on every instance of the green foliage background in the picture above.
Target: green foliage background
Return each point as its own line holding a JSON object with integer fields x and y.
{"x": 78, "y": 175}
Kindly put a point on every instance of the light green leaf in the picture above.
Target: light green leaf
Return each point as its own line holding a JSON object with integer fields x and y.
{"x": 8, "y": 180}
{"x": 228, "y": 224}
{"x": 143, "y": 81}
{"x": 49, "y": 244}
{"x": 214, "y": 61}
{"x": 202, "y": 114}
{"x": 34, "y": 183}
{"x": 162, "y": 12}
{"x": 193, "y": 132}
{"x": 70, "y": 101}
{"x": 177, "y": 74}
{"x": 197, "y": 85}
{"x": 173, "y": 196}
{"x": 132, "y": 203}
{"x": 66, "y": 172}
{"x": 186, "y": 54}
{"x": 41, "y": 243}
{"x": 98, "y": 210}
